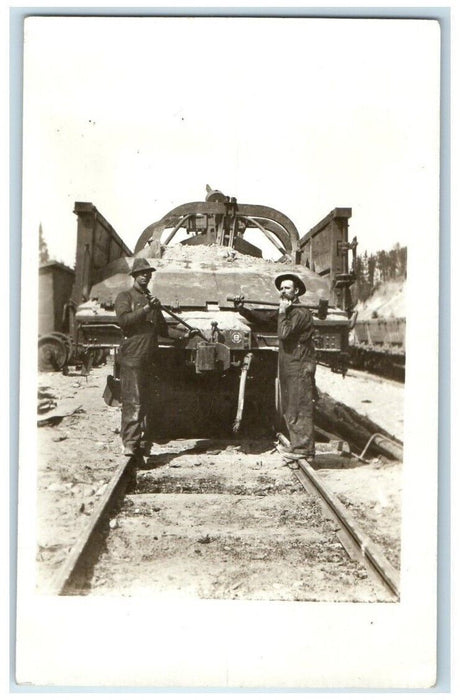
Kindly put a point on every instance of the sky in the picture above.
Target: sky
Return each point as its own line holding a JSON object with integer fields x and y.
{"x": 303, "y": 115}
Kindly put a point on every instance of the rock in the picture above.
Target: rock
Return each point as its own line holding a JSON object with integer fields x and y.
{"x": 58, "y": 488}
{"x": 205, "y": 540}
{"x": 45, "y": 405}
{"x": 113, "y": 524}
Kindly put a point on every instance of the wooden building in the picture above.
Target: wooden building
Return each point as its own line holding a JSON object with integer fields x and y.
{"x": 55, "y": 288}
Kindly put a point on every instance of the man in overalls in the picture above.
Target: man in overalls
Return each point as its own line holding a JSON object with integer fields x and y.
{"x": 296, "y": 361}
{"x": 139, "y": 317}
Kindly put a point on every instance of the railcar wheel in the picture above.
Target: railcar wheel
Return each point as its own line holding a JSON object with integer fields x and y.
{"x": 52, "y": 353}
{"x": 99, "y": 357}
{"x": 67, "y": 342}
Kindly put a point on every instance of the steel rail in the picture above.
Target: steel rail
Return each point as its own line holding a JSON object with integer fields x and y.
{"x": 361, "y": 545}
{"x": 71, "y": 577}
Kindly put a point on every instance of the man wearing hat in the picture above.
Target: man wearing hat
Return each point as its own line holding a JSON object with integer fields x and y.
{"x": 139, "y": 317}
{"x": 296, "y": 361}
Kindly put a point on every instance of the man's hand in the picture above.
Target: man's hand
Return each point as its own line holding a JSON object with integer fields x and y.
{"x": 154, "y": 303}
{"x": 238, "y": 302}
{"x": 284, "y": 304}
{"x": 191, "y": 333}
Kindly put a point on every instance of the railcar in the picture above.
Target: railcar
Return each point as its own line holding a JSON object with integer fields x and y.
{"x": 379, "y": 345}
{"x": 206, "y": 253}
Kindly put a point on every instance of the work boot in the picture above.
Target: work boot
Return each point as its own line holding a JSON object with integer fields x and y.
{"x": 284, "y": 452}
{"x": 292, "y": 455}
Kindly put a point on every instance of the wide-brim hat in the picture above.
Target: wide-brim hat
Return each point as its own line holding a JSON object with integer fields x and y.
{"x": 291, "y": 276}
{"x": 141, "y": 265}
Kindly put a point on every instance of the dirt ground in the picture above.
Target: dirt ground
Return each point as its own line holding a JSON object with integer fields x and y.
{"x": 371, "y": 492}
{"x": 228, "y": 523}
{"x": 381, "y": 400}
{"x": 79, "y": 453}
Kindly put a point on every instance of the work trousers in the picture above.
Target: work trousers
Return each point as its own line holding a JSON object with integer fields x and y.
{"x": 137, "y": 420}
{"x": 297, "y": 392}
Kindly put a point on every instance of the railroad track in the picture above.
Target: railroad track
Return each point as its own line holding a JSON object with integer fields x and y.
{"x": 213, "y": 520}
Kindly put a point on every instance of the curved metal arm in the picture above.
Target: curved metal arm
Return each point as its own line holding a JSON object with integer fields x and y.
{"x": 176, "y": 228}
{"x": 266, "y": 233}
{"x": 277, "y": 222}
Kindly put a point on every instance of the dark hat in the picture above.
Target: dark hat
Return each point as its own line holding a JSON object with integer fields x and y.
{"x": 291, "y": 276}
{"x": 141, "y": 265}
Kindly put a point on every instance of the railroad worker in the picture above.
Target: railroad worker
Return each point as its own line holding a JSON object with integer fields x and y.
{"x": 296, "y": 361}
{"x": 139, "y": 317}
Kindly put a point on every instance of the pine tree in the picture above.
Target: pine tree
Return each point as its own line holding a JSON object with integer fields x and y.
{"x": 371, "y": 263}
{"x": 392, "y": 263}
{"x": 403, "y": 262}
{"x": 382, "y": 264}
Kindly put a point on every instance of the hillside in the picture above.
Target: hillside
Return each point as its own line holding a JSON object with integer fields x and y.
{"x": 388, "y": 300}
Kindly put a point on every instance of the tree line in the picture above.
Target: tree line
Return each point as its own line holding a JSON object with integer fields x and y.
{"x": 373, "y": 269}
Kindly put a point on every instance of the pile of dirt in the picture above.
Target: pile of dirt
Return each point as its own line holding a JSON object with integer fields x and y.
{"x": 210, "y": 253}
{"x": 387, "y": 301}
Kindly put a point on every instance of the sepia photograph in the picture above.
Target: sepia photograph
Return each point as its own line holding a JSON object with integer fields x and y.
{"x": 228, "y": 442}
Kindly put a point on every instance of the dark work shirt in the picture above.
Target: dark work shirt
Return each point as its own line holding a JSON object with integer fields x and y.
{"x": 141, "y": 328}
{"x": 295, "y": 332}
